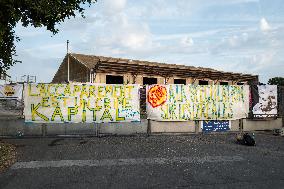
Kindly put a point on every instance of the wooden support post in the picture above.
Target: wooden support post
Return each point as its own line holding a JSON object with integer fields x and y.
{"x": 196, "y": 127}
{"x": 148, "y": 127}
{"x": 241, "y": 125}
{"x": 134, "y": 76}
{"x": 43, "y": 130}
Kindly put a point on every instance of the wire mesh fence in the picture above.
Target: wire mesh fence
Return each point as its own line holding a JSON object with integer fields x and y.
{"x": 11, "y": 108}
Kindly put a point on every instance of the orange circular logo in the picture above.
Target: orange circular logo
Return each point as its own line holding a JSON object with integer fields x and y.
{"x": 157, "y": 95}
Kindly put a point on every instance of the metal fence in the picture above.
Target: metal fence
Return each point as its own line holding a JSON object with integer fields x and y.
{"x": 11, "y": 108}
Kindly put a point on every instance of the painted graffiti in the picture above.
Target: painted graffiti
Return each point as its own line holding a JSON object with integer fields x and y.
{"x": 157, "y": 95}
{"x": 197, "y": 102}
{"x": 81, "y": 103}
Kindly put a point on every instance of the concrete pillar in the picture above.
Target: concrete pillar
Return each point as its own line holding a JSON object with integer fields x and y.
{"x": 197, "y": 127}
{"x": 160, "y": 80}
{"x": 189, "y": 80}
{"x": 100, "y": 78}
{"x": 210, "y": 82}
{"x": 139, "y": 80}
{"x": 127, "y": 79}
{"x": 170, "y": 80}
{"x": 196, "y": 82}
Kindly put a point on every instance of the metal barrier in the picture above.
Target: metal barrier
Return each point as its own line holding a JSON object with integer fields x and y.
{"x": 11, "y": 108}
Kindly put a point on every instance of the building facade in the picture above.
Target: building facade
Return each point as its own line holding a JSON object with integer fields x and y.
{"x": 109, "y": 70}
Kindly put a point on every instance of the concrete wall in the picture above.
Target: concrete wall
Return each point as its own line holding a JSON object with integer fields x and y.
{"x": 172, "y": 127}
{"x": 123, "y": 128}
{"x": 78, "y": 72}
{"x": 252, "y": 125}
{"x": 100, "y": 78}
{"x": 235, "y": 125}
{"x": 129, "y": 79}
{"x": 13, "y": 127}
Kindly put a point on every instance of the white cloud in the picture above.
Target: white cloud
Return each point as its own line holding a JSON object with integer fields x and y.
{"x": 186, "y": 41}
{"x": 264, "y": 26}
{"x": 164, "y": 31}
{"x": 112, "y": 7}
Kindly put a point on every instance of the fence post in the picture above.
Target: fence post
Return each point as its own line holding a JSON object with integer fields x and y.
{"x": 148, "y": 127}
{"x": 196, "y": 127}
{"x": 241, "y": 125}
{"x": 97, "y": 125}
{"x": 43, "y": 129}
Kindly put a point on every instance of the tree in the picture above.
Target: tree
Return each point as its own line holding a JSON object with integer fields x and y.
{"x": 38, "y": 13}
{"x": 276, "y": 81}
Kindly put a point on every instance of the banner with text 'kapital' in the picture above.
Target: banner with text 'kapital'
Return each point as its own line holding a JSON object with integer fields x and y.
{"x": 197, "y": 102}
{"x": 58, "y": 103}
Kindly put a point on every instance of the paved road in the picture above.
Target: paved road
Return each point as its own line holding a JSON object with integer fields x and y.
{"x": 195, "y": 161}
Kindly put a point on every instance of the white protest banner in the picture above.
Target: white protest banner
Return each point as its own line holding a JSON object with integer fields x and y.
{"x": 50, "y": 103}
{"x": 11, "y": 91}
{"x": 265, "y": 101}
{"x": 197, "y": 102}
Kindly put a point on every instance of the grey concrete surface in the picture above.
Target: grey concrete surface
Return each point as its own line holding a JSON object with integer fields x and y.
{"x": 252, "y": 125}
{"x": 124, "y": 128}
{"x": 192, "y": 161}
{"x": 172, "y": 127}
{"x": 12, "y": 127}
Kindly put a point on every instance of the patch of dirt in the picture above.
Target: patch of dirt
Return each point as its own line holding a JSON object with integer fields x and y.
{"x": 7, "y": 155}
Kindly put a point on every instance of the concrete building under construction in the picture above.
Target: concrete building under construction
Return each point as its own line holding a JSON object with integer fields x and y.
{"x": 109, "y": 70}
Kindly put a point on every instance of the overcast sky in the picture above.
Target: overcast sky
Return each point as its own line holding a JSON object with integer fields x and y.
{"x": 244, "y": 36}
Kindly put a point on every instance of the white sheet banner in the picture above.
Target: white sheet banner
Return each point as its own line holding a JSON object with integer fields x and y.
{"x": 266, "y": 105}
{"x": 11, "y": 91}
{"x": 197, "y": 102}
{"x": 47, "y": 103}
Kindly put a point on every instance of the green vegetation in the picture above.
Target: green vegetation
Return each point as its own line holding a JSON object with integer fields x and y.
{"x": 276, "y": 81}
{"x": 39, "y": 13}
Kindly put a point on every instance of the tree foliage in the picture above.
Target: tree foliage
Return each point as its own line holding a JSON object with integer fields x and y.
{"x": 38, "y": 13}
{"x": 276, "y": 81}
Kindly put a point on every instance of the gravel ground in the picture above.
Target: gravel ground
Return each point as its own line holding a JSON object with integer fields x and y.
{"x": 7, "y": 155}
{"x": 142, "y": 146}
{"x": 261, "y": 165}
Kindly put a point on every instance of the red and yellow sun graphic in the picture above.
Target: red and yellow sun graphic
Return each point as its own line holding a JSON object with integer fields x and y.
{"x": 157, "y": 95}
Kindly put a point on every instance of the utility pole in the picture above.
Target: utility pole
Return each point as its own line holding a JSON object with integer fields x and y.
{"x": 68, "y": 72}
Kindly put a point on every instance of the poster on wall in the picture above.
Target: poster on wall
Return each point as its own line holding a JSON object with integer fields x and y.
{"x": 215, "y": 126}
{"x": 59, "y": 103}
{"x": 11, "y": 91}
{"x": 197, "y": 102}
{"x": 264, "y": 101}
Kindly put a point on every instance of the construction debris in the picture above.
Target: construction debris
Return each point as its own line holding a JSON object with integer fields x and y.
{"x": 246, "y": 139}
